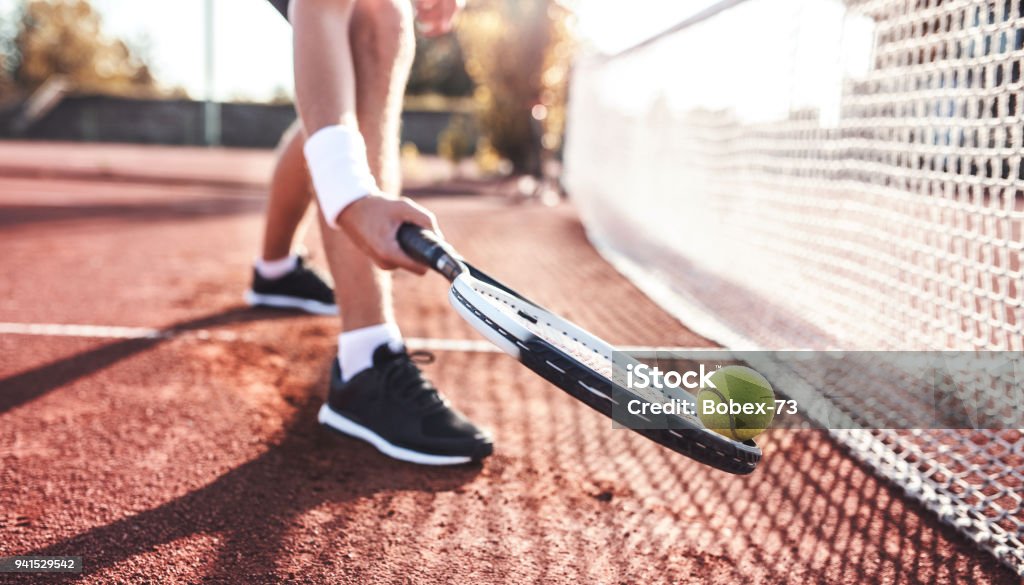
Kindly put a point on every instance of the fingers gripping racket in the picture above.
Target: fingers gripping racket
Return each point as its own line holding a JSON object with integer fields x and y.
{"x": 562, "y": 353}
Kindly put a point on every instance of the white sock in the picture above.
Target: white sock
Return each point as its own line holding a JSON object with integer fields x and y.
{"x": 355, "y": 348}
{"x": 274, "y": 269}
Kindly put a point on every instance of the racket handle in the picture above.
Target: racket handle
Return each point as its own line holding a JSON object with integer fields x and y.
{"x": 423, "y": 246}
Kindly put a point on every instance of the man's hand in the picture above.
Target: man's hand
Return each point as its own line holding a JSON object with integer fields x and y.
{"x": 436, "y": 16}
{"x": 373, "y": 221}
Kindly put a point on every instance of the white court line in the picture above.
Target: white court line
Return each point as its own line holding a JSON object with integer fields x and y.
{"x": 109, "y": 332}
{"x": 91, "y": 331}
{"x": 414, "y": 343}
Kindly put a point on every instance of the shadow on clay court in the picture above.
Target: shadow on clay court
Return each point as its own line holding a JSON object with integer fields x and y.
{"x": 299, "y": 472}
{"x": 809, "y": 510}
{"x": 142, "y": 211}
{"x": 26, "y": 386}
{"x": 302, "y": 471}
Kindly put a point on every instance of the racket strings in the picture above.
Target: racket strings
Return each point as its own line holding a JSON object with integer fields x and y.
{"x": 589, "y": 355}
{"x": 601, "y": 362}
{"x": 686, "y": 433}
{"x": 596, "y": 355}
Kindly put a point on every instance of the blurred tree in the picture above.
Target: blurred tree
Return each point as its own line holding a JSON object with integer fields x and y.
{"x": 282, "y": 95}
{"x": 518, "y": 53}
{"x": 6, "y": 83}
{"x": 65, "y": 37}
{"x": 439, "y": 68}
{"x": 8, "y": 30}
{"x": 458, "y": 140}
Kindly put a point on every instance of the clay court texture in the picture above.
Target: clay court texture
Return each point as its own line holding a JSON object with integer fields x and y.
{"x": 158, "y": 428}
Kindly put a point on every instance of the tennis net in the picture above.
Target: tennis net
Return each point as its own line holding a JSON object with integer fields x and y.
{"x": 828, "y": 175}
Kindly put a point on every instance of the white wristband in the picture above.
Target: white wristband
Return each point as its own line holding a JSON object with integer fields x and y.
{"x": 336, "y": 156}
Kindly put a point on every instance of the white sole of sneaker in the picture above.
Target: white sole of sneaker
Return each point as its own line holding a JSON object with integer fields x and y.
{"x": 255, "y": 299}
{"x": 329, "y": 418}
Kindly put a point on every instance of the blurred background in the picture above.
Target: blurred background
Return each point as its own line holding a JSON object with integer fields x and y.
{"x": 489, "y": 98}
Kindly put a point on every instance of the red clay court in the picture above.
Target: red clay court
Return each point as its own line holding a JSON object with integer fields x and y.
{"x": 157, "y": 427}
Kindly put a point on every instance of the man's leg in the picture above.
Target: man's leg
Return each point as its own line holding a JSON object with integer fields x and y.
{"x": 290, "y": 196}
{"x": 378, "y": 394}
{"x": 382, "y": 33}
{"x": 280, "y": 277}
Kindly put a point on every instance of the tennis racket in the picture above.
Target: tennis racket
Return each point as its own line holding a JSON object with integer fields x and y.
{"x": 564, "y": 354}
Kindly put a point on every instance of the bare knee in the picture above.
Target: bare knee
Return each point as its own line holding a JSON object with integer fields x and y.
{"x": 384, "y": 25}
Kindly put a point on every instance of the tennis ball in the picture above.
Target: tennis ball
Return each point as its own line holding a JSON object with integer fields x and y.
{"x": 740, "y": 406}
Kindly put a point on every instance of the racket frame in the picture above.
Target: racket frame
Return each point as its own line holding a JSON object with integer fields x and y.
{"x": 468, "y": 296}
{"x": 469, "y": 286}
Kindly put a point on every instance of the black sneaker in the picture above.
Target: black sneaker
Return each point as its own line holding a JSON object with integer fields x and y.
{"x": 398, "y": 411}
{"x": 301, "y": 289}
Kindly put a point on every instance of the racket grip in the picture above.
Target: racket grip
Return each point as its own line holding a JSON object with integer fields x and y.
{"x": 423, "y": 246}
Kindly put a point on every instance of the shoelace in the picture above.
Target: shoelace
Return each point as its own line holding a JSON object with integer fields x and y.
{"x": 402, "y": 375}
